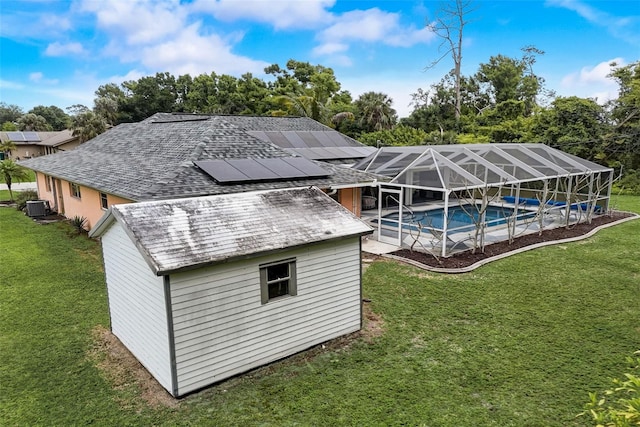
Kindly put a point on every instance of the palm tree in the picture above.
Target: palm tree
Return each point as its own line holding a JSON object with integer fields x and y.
{"x": 374, "y": 109}
{"x": 87, "y": 125}
{"x": 6, "y": 147}
{"x": 11, "y": 171}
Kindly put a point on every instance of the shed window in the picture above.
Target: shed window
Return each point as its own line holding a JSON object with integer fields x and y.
{"x": 47, "y": 182}
{"x": 104, "y": 201}
{"x": 278, "y": 279}
{"x": 75, "y": 190}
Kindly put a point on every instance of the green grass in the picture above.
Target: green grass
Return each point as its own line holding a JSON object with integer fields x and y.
{"x": 518, "y": 342}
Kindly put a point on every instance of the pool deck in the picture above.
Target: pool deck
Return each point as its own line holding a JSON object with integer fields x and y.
{"x": 456, "y": 241}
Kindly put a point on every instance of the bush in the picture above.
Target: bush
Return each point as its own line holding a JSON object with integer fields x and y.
{"x": 23, "y": 197}
{"x": 78, "y": 223}
{"x": 629, "y": 184}
{"x": 619, "y": 406}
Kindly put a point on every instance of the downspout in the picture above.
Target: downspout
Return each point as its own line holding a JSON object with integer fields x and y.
{"x": 171, "y": 336}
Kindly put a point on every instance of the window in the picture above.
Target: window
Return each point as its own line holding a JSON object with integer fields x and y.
{"x": 47, "y": 182}
{"x": 103, "y": 201}
{"x": 278, "y": 279}
{"x": 75, "y": 190}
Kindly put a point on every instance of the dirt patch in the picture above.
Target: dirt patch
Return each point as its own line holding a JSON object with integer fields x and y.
{"x": 123, "y": 371}
{"x": 373, "y": 324}
{"x": 467, "y": 258}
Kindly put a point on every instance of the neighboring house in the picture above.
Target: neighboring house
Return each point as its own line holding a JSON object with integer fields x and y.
{"x": 174, "y": 155}
{"x": 34, "y": 144}
{"x": 201, "y": 289}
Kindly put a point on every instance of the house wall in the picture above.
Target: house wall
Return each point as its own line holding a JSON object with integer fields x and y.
{"x": 351, "y": 198}
{"x": 222, "y": 329}
{"x": 137, "y": 304}
{"x": 87, "y": 206}
{"x": 25, "y": 151}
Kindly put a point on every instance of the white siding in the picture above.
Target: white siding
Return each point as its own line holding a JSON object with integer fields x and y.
{"x": 136, "y": 304}
{"x": 222, "y": 329}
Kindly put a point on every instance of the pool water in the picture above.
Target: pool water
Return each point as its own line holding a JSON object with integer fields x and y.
{"x": 459, "y": 218}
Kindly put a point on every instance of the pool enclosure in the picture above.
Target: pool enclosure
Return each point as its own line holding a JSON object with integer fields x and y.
{"x": 475, "y": 194}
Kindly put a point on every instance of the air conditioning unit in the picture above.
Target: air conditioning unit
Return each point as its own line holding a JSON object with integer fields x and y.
{"x": 36, "y": 208}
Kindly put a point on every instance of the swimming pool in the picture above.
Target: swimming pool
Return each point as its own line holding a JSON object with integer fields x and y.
{"x": 460, "y": 218}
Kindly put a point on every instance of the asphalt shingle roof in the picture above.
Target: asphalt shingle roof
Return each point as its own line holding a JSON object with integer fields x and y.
{"x": 153, "y": 159}
{"x": 175, "y": 235}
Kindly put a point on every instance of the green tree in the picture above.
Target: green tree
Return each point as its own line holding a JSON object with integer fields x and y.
{"x": 108, "y": 103}
{"x": 305, "y": 90}
{"x": 399, "y": 135}
{"x": 149, "y": 95}
{"x": 6, "y": 147}
{"x": 572, "y": 124}
{"x": 87, "y": 125}
{"x": 11, "y": 171}
{"x": 374, "y": 111}
{"x": 55, "y": 116}
{"x": 33, "y": 122}
{"x": 9, "y": 126}
{"x": 623, "y": 143}
{"x": 10, "y": 112}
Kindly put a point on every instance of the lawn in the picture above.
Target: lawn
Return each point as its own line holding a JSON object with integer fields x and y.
{"x": 518, "y": 342}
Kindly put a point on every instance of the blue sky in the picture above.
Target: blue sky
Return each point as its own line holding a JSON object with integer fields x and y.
{"x": 57, "y": 52}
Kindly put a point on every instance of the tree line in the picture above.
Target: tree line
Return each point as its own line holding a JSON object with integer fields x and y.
{"x": 504, "y": 101}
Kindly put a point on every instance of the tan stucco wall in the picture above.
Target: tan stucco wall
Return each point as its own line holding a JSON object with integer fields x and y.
{"x": 26, "y": 151}
{"x": 87, "y": 206}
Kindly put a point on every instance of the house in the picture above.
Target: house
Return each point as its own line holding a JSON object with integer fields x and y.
{"x": 176, "y": 155}
{"x": 34, "y": 144}
{"x": 201, "y": 289}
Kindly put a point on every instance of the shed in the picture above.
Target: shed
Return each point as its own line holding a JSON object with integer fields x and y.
{"x": 201, "y": 289}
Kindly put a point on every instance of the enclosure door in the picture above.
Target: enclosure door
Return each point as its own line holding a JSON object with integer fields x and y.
{"x": 390, "y": 206}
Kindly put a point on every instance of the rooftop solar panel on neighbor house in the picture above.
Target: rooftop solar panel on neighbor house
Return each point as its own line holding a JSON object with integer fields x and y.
{"x": 31, "y": 136}
{"x": 254, "y": 170}
{"x": 16, "y": 136}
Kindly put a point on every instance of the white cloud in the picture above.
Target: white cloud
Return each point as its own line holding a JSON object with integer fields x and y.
{"x": 369, "y": 26}
{"x": 191, "y": 53}
{"x": 60, "y": 49}
{"x": 38, "y": 77}
{"x": 7, "y": 84}
{"x": 590, "y": 75}
{"x": 281, "y": 14}
{"x": 137, "y": 21}
{"x": 374, "y": 25}
{"x": 625, "y": 28}
{"x": 330, "y": 48}
{"x": 592, "y": 81}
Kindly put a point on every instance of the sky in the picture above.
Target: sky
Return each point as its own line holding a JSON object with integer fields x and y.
{"x": 58, "y": 52}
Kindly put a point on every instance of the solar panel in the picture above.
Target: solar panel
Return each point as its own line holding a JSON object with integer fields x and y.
{"x": 252, "y": 169}
{"x": 255, "y": 170}
{"x": 221, "y": 171}
{"x": 16, "y": 136}
{"x": 31, "y": 136}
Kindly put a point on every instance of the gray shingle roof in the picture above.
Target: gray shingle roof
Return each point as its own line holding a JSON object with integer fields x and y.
{"x": 181, "y": 234}
{"x": 153, "y": 159}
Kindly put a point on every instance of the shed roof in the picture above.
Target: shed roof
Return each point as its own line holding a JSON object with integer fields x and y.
{"x": 153, "y": 159}
{"x": 182, "y": 234}
{"x": 456, "y": 167}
